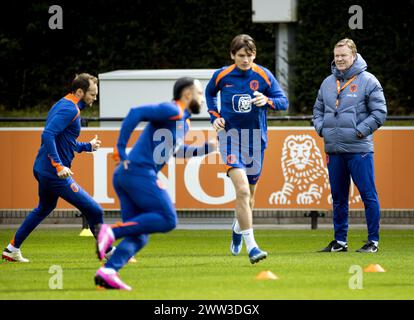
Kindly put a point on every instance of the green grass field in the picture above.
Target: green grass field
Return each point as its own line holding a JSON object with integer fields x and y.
{"x": 191, "y": 264}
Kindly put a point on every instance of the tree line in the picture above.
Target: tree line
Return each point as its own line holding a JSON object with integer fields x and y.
{"x": 37, "y": 62}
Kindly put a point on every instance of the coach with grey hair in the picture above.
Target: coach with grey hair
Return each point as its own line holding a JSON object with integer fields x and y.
{"x": 349, "y": 108}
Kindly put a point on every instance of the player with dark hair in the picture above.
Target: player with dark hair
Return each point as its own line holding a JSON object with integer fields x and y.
{"x": 145, "y": 204}
{"x": 247, "y": 91}
{"x": 52, "y": 165}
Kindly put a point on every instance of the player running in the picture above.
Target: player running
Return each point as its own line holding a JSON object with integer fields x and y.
{"x": 52, "y": 165}
{"x": 247, "y": 91}
{"x": 145, "y": 204}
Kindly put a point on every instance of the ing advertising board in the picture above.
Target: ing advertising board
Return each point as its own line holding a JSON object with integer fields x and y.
{"x": 294, "y": 172}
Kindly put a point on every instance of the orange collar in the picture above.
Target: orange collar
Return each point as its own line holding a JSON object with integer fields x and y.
{"x": 72, "y": 97}
{"x": 180, "y": 104}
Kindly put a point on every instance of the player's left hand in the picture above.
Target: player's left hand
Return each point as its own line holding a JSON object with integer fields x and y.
{"x": 260, "y": 99}
{"x": 95, "y": 143}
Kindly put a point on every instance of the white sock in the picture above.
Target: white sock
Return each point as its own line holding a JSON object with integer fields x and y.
{"x": 376, "y": 243}
{"x": 12, "y": 248}
{"x": 236, "y": 227}
{"x": 248, "y": 237}
{"x": 342, "y": 243}
{"x": 108, "y": 270}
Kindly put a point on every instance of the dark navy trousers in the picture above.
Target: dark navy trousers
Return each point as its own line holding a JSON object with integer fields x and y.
{"x": 359, "y": 166}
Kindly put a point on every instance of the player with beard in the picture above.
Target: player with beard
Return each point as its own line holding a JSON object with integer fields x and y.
{"x": 145, "y": 204}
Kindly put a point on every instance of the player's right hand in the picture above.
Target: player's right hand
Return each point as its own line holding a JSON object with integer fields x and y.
{"x": 64, "y": 173}
{"x": 219, "y": 124}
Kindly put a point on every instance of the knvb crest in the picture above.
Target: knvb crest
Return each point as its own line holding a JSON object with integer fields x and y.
{"x": 254, "y": 85}
{"x": 353, "y": 87}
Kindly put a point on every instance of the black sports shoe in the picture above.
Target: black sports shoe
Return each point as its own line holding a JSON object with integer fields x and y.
{"x": 368, "y": 247}
{"x": 334, "y": 246}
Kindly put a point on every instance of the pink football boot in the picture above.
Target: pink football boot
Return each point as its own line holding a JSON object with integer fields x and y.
{"x": 104, "y": 241}
{"x": 110, "y": 281}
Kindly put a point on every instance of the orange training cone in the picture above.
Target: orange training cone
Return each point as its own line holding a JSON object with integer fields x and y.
{"x": 266, "y": 275}
{"x": 374, "y": 268}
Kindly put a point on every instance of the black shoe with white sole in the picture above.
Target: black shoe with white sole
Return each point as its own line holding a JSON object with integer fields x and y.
{"x": 368, "y": 247}
{"x": 334, "y": 246}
